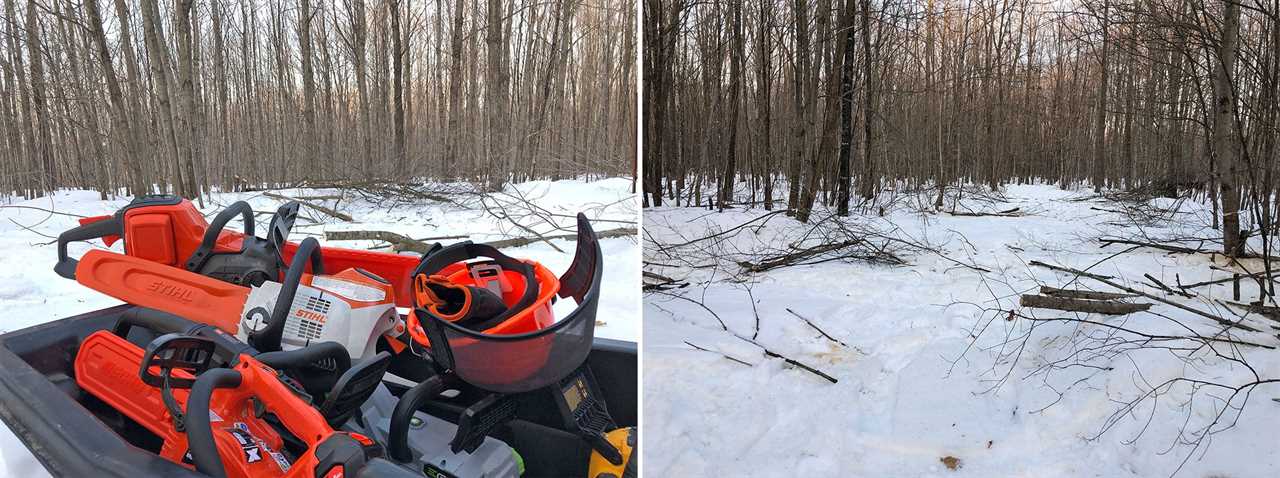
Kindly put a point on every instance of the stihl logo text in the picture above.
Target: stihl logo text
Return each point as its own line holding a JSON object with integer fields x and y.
{"x": 309, "y": 315}
{"x": 170, "y": 291}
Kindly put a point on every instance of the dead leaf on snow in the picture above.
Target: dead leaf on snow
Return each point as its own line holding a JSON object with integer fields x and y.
{"x": 951, "y": 462}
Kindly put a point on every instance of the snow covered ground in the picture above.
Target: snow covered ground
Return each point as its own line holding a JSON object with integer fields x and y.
{"x": 920, "y": 378}
{"x": 30, "y": 292}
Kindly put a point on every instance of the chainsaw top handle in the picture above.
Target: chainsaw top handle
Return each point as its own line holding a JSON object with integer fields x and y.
{"x": 210, "y": 239}
{"x": 268, "y": 339}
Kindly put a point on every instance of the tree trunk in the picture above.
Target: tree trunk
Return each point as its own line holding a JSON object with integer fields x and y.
{"x": 157, "y": 53}
{"x": 846, "y": 108}
{"x": 43, "y": 141}
{"x": 1225, "y": 140}
{"x": 187, "y": 125}
{"x": 1100, "y": 121}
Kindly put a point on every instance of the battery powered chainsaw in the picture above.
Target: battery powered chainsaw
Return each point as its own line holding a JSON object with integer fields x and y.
{"x": 351, "y": 398}
{"x": 169, "y": 230}
{"x": 238, "y": 420}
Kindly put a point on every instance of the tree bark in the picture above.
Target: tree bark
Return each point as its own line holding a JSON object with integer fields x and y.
{"x": 1225, "y": 143}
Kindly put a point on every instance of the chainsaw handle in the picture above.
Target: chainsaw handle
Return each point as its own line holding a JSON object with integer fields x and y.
{"x": 66, "y": 266}
{"x": 165, "y": 323}
{"x": 398, "y": 436}
{"x": 308, "y": 251}
{"x": 204, "y": 451}
{"x": 295, "y": 359}
{"x": 210, "y": 239}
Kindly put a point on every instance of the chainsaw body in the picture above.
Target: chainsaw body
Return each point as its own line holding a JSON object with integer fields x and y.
{"x": 357, "y": 403}
{"x": 107, "y": 366}
{"x": 351, "y": 307}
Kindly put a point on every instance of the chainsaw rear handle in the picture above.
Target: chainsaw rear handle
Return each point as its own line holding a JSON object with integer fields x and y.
{"x": 165, "y": 323}
{"x": 410, "y": 402}
{"x": 227, "y": 346}
{"x": 311, "y": 354}
{"x": 210, "y": 239}
{"x": 66, "y": 266}
{"x": 309, "y": 251}
{"x": 204, "y": 451}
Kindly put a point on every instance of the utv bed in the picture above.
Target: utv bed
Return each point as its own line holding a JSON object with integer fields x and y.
{"x": 72, "y": 433}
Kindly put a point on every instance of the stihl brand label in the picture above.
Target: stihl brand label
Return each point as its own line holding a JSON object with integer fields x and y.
{"x": 171, "y": 291}
{"x": 309, "y": 315}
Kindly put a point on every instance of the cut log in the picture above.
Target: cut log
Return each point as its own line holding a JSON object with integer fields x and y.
{"x": 1104, "y": 279}
{"x": 1083, "y": 294}
{"x": 1082, "y": 305}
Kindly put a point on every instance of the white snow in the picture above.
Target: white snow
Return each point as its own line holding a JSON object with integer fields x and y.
{"x": 31, "y": 293}
{"x": 914, "y": 386}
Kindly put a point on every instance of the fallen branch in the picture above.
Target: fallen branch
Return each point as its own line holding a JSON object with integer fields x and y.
{"x": 524, "y": 241}
{"x": 815, "y": 327}
{"x": 1164, "y": 247}
{"x": 663, "y": 282}
{"x": 332, "y": 213}
{"x": 1104, "y": 280}
{"x": 398, "y": 242}
{"x": 1082, "y": 305}
{"x": 1266, "y": 311}
{"x": 1005, "y": 213}
{"x": 50, "y": 211}
{"x": 722, "y": 354}
{"x": 1083, "y": 294}
{"x": 1160, "y": 285}
{"x": 791, "y": 258}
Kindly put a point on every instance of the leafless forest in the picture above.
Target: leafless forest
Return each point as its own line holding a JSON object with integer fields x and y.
{"x": 195, "y": 94}
{"x": 849, "y": 98}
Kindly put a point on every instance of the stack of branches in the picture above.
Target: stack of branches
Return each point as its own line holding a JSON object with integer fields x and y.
{"x": 1068, "y": 351}
{"x": 769, "y": 241}
{"x": 1138, "y": 207}
{"x": 752, "y": 247}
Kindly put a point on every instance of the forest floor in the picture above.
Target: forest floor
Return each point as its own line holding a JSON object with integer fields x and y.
{"x": 30, "y": 292}
{"x": 934, "y": 376}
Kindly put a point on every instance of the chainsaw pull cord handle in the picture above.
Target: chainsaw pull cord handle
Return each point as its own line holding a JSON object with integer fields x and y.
{"x": 210, "y": 239}
{"x": 204, "y": 451}
{"x": 309, "y": 251}
{"x": 398, "y": 436}
{"x": 66, "y": 266}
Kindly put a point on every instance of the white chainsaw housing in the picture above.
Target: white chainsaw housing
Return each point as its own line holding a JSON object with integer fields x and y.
{"x": 346, "y": 312}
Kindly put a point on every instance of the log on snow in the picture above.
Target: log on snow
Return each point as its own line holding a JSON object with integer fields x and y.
{"x": 1082, "y": 305}
{"x": 1083, "y": 294}
{"x": 1104, "y": 279}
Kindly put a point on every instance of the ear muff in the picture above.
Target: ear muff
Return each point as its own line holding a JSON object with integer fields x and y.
{"x": 469, "y": 306}
{"x": 466, "y": 305}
